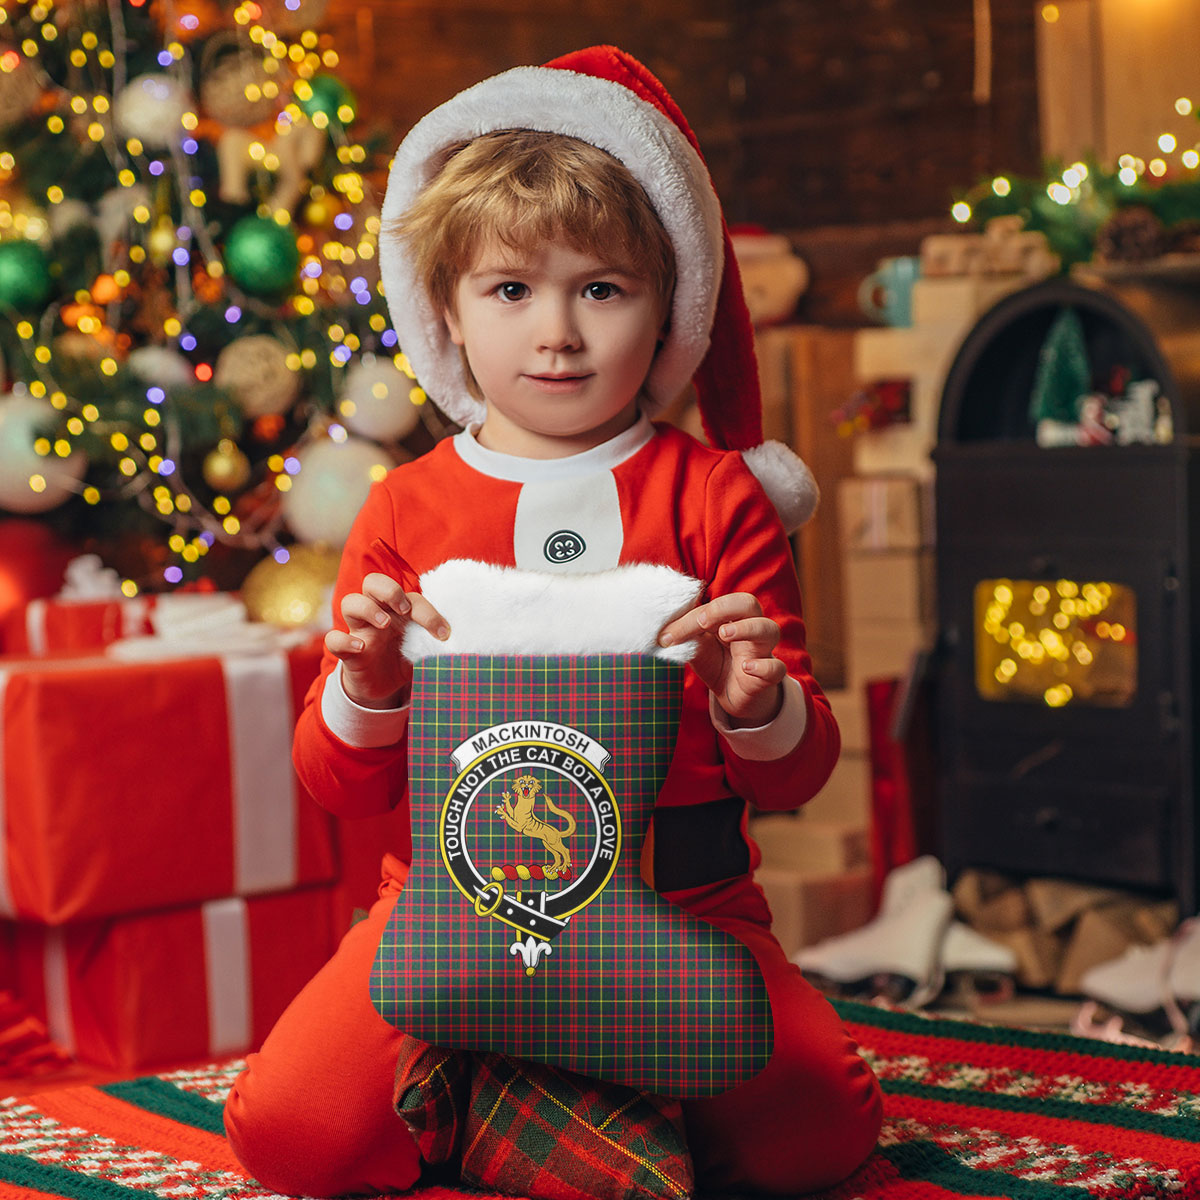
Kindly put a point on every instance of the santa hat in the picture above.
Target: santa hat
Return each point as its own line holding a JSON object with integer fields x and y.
{"x": 607, "y": 98}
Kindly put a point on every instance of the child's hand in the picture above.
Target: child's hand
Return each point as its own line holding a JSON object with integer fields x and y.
{"x": 734, "y": 655}
{"x": 374, "y": 673}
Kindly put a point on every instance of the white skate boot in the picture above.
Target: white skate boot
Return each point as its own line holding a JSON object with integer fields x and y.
{"x": 979, "y": 966}
{"x": 898, "y": 953}
{"x": 1155, "y": 987}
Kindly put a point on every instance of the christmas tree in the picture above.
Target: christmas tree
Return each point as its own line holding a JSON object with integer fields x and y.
{"x": 196, "y": 357}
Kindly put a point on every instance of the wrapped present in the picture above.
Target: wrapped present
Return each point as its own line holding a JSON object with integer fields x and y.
{"x": 177, "y": 986}
{"x": 129, "y": 786}
{"x": 52, "y": 624}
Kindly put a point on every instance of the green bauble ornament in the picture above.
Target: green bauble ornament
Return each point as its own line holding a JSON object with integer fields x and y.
{"x": 24, "y": 275}
{"x": 262, "y": 255}
{"x": 328, "y": 95}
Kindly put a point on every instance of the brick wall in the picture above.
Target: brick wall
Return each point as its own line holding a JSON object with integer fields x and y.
{"x": 810, "y": 113}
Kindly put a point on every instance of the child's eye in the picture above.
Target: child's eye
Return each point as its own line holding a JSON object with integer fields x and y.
{"x": 512, "y": 291}
{"x": 601, "y": 291}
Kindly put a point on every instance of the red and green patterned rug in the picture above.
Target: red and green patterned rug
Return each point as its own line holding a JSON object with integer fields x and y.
{"x": 972, "y": 1110}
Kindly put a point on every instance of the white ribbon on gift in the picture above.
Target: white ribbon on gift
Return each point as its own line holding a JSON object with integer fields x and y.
{"x": 56, "y": 979}
{"x": 227, "y": 975}
{"x": 258, "y": 695}
{"x": 226, "y": 972}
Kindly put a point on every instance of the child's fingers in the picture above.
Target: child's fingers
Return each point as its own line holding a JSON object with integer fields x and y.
{"x": 387, "y": 593}
{"x": 761, "y": 633}
{"x": 424, "y": 614}
{"x": 362, "y": 612}
{"x": 343, "y": 645}
{"x": 705, "y": 618}
{"x": 765, "y": 671}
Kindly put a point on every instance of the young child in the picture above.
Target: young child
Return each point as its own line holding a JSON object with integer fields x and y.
{"x": 557, "y": 267}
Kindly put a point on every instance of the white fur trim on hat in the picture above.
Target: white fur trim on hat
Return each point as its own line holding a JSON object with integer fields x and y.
{"x": 604, "y": 114}
{"x": 620, "y": 611}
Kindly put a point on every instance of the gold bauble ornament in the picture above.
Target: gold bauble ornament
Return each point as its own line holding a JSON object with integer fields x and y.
{"x": 255, "y": 370}
{"x": 295, "y": 593}
{"x": 162, "y": 242}
{"x": 226, "y": 468}
{"x": 318, "y": 213}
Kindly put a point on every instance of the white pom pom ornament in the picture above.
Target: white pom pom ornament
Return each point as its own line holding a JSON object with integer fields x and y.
{"x": 375, "y": 400}
{"x": 330, "y": 487}
{"x": 151, "y": 108}
{"x": 162, "y": 366}
{"x": 31, "y": 482}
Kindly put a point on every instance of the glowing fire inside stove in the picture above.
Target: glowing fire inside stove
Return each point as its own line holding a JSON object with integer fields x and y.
{"x": 1056, "y": 641}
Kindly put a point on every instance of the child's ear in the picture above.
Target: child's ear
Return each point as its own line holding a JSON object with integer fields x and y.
{"x": 452, "y": 327}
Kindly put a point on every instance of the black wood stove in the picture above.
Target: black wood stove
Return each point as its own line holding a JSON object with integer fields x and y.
{"x": 1067, "y": 665}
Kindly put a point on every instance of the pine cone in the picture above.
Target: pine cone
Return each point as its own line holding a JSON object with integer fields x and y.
{"x": 1132, "y": 234}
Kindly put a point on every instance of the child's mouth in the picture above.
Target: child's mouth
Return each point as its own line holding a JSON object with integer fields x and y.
{"x": 558, "y": 383}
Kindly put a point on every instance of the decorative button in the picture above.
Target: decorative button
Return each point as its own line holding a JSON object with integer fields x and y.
{"x": 563, "y": 546}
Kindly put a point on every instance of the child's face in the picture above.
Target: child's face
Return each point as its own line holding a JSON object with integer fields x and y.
{"x": 559, "y": 342}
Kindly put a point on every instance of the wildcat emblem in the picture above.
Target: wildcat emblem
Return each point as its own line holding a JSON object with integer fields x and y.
{"x": 521, "y": 817}
{"x": 483, "y": 842}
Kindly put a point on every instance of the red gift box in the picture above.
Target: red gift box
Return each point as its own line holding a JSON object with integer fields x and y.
{"x": 173, "y": 987}
{"x": 52, "y": 625}
{"x": 131, "y": 786}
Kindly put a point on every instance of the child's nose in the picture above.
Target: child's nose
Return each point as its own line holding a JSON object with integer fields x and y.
{"x": 558, "y": 329}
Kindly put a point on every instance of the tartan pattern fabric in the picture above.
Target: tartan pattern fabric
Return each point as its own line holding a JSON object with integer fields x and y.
{"x": 622, "y": 986}
{"x": 536, "y": 1131}
{"x": 532, "y": 1130}
{"x": 432, "y": 1089}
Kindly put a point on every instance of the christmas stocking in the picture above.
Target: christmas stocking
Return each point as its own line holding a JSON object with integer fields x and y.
{"x": 525, "y": 926}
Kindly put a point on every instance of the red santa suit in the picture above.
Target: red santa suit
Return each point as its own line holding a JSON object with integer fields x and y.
{"x": 313, "y": 1113}
{"x": 651, "y": 495}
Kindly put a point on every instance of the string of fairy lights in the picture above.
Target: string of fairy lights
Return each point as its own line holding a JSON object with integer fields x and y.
{"x": 1044, "y": 637}
{"x": 1070, "y": 187}
{"x": 303, "y": 257}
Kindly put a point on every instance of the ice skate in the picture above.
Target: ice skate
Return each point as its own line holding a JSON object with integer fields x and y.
{"x": 1154, "y": 989}
{"x": 898, "y": 953}
{"x": 978, "y": 965}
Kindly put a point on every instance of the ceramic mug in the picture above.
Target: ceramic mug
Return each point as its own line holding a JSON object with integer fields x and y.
{"x": 886, "y": 294}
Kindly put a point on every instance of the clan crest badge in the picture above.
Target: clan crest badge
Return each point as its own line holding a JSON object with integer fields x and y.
{"x": 530, "y": 830}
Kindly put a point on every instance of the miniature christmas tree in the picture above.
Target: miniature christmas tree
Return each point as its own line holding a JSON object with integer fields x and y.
{"x": 193, "y": 337}
{"x": 1063, "y": 375}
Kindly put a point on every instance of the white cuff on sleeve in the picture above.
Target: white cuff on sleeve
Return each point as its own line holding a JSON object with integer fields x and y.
{"x": 765, "y": 743}
{"x": 356, "y": 725}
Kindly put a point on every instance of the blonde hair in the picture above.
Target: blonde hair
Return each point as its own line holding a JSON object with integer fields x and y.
{"x": 521, "y": 188}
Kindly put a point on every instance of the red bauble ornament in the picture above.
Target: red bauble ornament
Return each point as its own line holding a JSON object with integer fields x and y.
{"x": 32, "y": 560}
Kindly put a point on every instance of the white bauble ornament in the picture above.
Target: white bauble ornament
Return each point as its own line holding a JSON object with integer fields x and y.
{"x": 66, "y": 215}
{"x": 24, "y": 419}
{"x": 330, "y": 488}
{"x": 150, "y": 108}
{"x": 236, "y": 89}
{"x": 375, "y": 400}
{"x": 255, "y": 370}
{"x": 20, "y": 90}
{"x": 161, "y": 366}
{"x": 114, "y": 216}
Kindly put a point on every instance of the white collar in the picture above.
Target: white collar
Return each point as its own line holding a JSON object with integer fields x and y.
{"x": 514, "y": 469}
